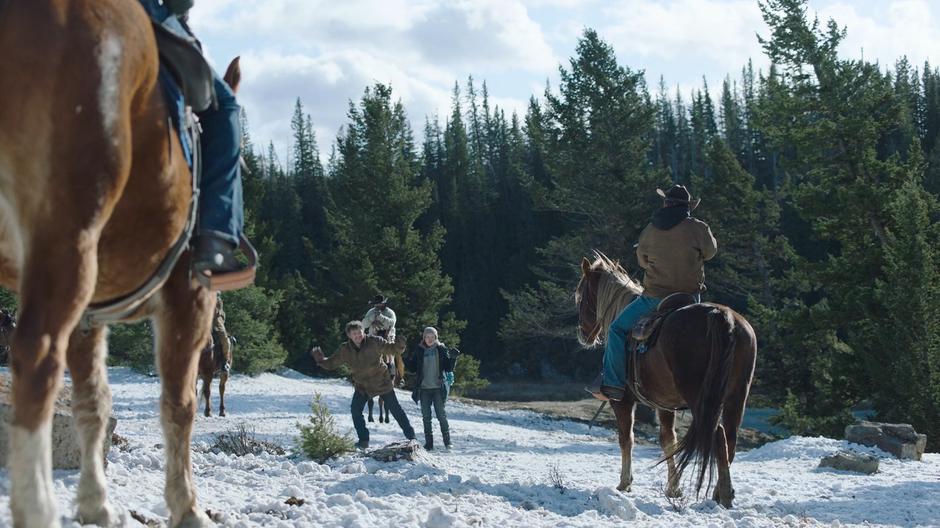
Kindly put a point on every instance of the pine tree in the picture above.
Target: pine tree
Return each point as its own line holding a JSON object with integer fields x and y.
{"x": 597, "y": 133}
{"x": 834, "y": 116}
{"x": 375, "y": 205}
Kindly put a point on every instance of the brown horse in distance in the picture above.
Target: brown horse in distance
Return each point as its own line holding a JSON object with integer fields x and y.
{"x": 212, "y": 362}
{"x": 703, "y": 360}
{"x": 94, "y": 191}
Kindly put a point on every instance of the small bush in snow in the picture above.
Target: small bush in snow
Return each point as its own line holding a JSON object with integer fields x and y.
{"x": 557, "y": 479}
{"x": 319, "y": 439}
{"x": 241, "y": 441}
{"x": 678, "y": 503}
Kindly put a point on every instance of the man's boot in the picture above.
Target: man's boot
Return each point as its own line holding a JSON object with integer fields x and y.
{"x": 429, "y": 441}
{"x": 214, "y": 254}
{"x": 446, "y": 439}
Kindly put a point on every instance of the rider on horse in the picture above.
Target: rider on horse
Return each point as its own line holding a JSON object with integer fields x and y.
{"x": 220, "y": 336}
{"x": 221, "y": 207}
{"x": 672, "y": 251}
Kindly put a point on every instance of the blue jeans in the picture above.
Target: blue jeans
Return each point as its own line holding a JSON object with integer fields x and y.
{"x": 615, "y": 349}
{"x": 221, "y": 205}
{"x": 358, "y": 404}
{"x": 434, "y": 397}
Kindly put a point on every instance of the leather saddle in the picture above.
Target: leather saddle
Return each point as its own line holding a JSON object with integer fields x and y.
{"x": 182, "y": 57}
{"x": 646, "y": 330}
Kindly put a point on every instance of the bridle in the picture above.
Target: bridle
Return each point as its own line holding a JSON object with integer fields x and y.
{"x": 591, "y": 338}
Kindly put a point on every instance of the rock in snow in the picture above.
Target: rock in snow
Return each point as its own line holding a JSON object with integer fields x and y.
{"x": 901, "y": 440}
{"x": 66, "y": 453}
{"x": 849, "y": 461}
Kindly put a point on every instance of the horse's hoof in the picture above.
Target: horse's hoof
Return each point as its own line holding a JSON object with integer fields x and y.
{"x": 673, "y": 493}
{"x": 194, "y": 520}
{"x": 624, "y": 488}
{"x": 103, "y": 516}
{"x": 207, "y": 414}
{"x": 222, "y": 413}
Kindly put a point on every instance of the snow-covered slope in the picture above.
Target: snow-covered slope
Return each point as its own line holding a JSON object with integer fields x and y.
{"x": 497, "y": 475}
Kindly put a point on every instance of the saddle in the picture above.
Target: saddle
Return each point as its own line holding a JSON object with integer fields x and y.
{"x": 181, "y": 56}
{"x": 644, "y": 336}
{"x": 646, "y": 330}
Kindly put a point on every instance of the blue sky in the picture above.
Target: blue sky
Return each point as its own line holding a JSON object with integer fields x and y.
{"x": 327, "y": 52}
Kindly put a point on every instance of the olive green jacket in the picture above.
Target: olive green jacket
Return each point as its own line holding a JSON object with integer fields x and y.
{"x": 369, "y": 373}
{"x": 674, "y": 259}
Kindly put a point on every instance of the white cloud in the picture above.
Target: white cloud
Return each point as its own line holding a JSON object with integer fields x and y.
{"x": 327, "y": 52}
{"x": 894, "y": 29}
{"x": 706, "y": 31}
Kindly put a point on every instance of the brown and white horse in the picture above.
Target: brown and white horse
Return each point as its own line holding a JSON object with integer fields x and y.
{"x": 94, "y": 191}
{"x": 703, "y": 360}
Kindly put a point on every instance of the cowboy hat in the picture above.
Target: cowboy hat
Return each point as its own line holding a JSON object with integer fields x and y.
{"x": 379, "y": 299}
{"x": 678, "y": 195}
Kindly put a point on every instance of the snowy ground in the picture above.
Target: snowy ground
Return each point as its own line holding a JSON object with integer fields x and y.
{"x": 497, "y": 475}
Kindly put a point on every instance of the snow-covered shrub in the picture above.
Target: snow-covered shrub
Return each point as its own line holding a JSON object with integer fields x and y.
{"x": 319, "y": 439}
{"x": 241, "y": 441}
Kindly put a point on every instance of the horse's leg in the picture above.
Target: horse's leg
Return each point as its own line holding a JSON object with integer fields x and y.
{"x": 724, "y": 493}
{"x": 667, "y": 440}
{"x": 91, "y": 408}
{"x": 222, "y": 379}
{"x": 59, "y": 277}
{"x": 371, "y": 403}
{"x": 383, "y": 411}
{"x": 207, "y": 392}
{"x": 181, "y": 323}
{"x": 624, "y": 410}
{"x": 731, "y": 416}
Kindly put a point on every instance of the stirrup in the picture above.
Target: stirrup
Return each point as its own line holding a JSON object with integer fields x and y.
{"x": 232, "y": 280}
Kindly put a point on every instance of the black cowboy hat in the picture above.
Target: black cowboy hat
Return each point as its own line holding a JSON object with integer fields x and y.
{"x": 678, "y": 195}
{"x": 379, "y": 299}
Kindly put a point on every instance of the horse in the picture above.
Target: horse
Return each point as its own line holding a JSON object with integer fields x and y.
{"x": 7, "y": 326}
{"x": 94, "y": 192}
{"x": 215, "y": 360}
{"x": 703, "y": 360}
{"x": 396, "y": 370}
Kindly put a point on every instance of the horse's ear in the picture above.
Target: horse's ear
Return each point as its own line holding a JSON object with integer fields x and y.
{"x": 585, "y": 265}
{"x": 233, "y": 74}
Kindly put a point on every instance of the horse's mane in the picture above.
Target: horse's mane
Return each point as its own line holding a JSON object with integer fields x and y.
{"x": 614, "y": 289}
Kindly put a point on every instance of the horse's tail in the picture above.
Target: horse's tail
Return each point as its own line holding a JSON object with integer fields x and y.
{"x": 698, "y": 445}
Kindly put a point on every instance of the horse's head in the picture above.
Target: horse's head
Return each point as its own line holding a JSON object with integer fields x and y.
{"x": 603, "y": 290}
{"x": 585, "y": 296}
{"x": 233, "y": 74}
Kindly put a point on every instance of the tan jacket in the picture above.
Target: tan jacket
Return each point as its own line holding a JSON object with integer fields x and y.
{"x": 369, "y": 373}
{"x": 674, "y": 259}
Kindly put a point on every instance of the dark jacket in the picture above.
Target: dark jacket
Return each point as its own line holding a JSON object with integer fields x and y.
{"x": 415, "y": 362}
{"x": 369, "y": 373}
{"x": 673, "y": 256}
